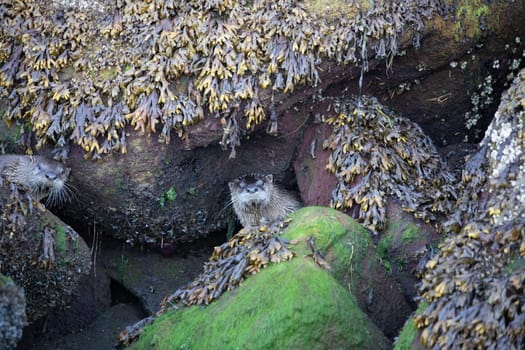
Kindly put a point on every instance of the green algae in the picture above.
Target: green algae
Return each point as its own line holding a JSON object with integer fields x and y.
{"x": 290, "y": 305}
{"x": 469, "y": 14}
{"x": 61, "y": 239}
{"x": 345, "y": 243}
{"x": 293, "y": 305}
{"x": 409, "y": 332}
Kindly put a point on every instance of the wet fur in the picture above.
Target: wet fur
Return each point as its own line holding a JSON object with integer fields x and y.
{"x": 43, "y": 176}
{"x": 255, "y": 196}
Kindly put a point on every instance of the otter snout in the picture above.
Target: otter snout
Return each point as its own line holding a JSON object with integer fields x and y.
{"x": 51, "y": 177}
{"x": 252, "y": 188}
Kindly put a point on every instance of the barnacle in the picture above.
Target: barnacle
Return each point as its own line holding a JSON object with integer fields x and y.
{"x": 477, "y": 279}
{"x": 376, "y": 154}
{"x": 63, "y": 65}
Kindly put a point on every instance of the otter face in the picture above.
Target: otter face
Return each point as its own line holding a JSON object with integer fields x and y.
{"x": 251, "y": 189}
{"x": 49, "y": 177}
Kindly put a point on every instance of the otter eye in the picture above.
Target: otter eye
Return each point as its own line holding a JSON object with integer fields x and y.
{"x": 39, "y": 167}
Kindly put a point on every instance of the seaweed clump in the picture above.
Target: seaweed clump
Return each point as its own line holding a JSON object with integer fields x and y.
{"x": 246, "y": 253}
{"x": 375, "y": 155}
{"x": 475, "y": 285}
{"x": 80, "y": 75}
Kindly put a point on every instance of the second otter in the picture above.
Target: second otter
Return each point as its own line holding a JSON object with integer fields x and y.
{"x": 43, "y": 176}
{"x": 255, "y": 196}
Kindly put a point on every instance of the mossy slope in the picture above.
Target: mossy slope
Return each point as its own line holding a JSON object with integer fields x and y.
{"x": 352, "y": 256}
{"x": 291, "y": 305}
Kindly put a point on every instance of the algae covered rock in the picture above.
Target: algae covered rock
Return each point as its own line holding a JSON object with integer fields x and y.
{"x": 303, "y": 303}
{"x": 351, "y": 255}
{"x": 39, "y": 252}
{"x": 12, "y": 313}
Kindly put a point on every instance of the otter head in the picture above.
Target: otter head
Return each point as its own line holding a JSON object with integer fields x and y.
{"x": 252, "y": 189}
{"x": 47, "y": 177}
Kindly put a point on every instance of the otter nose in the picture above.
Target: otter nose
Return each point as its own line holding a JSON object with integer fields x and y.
{"x": 51, "y": 177}
{"x": 252, "y": 189}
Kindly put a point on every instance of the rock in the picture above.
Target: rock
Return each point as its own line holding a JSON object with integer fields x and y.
{"x": 477, "y": 277}
{"x": 150, "y": 276}
{"x": 39, "y": 252}
{"x": 99, "y": 335}
{"x": 161, "y": 194}
{"x": 297, "y": 304}
{"x": 12, "y": 313}
{"x": 348, "y": 248}
{"x": 191, "y": 185}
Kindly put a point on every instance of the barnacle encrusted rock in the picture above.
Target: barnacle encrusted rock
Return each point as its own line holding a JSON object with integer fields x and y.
{"x": 12, "y": 313}
{"x": 475, "y": 284}
{"x": 39, "y": 252}
{"x": 300, "y": 303}
{"x": 376, "y": 154}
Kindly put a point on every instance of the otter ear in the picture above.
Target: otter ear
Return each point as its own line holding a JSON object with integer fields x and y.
{"x": 269, "y": 178}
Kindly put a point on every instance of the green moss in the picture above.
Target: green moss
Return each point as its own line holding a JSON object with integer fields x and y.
{"x": 345, "y": 243}
{"x": 407, "y": 336}
{"x": 384, "y": 245}
{"x": 410, "y": 234}
{"x": 61, "y": 239}
{"x": 167, "y": 197}
{"x": 292, "y": 305}
{"x": 468, "y": 14}
{"x": 409, "y": 332}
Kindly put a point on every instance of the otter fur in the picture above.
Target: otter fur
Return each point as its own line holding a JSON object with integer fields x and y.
{"x": 256, "y": 197}
{"x": 43, "y": 176}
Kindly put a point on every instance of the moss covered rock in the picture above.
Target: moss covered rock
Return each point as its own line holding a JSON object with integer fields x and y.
{"x": 293, "y": 305}
{"x": 350, "y": 252}
{"x": 301, "y": 304}
{"x": 12, "y": 313}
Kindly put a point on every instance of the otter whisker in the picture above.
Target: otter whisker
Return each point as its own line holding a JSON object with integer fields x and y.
{"x": 228, "y": 204}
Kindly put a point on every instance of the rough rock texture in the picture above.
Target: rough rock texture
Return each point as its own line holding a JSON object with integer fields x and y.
{"x": 12, "y": 313}
{"x": 148, "y": 275}
{"x": 293, "y": 304}
{"x": 478, "y": 276}
{"x": 39, "y": 252}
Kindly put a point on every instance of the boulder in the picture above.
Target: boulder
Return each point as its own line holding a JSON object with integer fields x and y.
{"x": 477, "y": 277}
{"x": 40, "y": 253}
{"x": 333, "y": 294}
